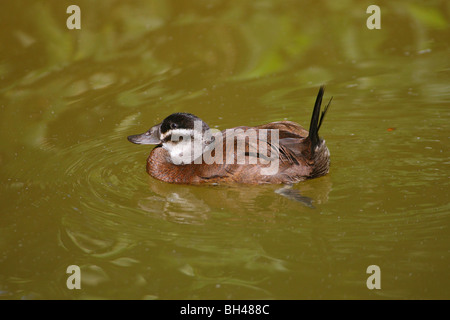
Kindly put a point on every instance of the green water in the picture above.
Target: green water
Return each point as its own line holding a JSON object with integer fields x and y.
{"x": 74, "y": 191}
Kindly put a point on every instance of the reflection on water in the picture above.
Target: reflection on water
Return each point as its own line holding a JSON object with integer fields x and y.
{"x": 74, "y": 191}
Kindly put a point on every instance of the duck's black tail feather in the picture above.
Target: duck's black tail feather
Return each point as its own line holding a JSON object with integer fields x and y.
{"x": 317, "y": 119}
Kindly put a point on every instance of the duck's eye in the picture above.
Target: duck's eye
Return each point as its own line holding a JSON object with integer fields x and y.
{"x": 173, "y": 125}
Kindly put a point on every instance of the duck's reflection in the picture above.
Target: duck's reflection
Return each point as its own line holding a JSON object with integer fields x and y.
{"x": 195, "y": 204}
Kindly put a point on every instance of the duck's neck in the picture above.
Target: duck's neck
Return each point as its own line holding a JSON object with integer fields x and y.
{"x": 160, "y": 167}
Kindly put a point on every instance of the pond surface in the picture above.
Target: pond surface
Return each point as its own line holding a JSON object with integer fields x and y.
{"x": 74, "y": 191}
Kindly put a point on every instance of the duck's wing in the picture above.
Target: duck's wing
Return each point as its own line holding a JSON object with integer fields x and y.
{"x": 292, "y": 139}
{"x": 254, "y": 155}
{"x": 287, "y": 129}
{"x": 282, "y": 140}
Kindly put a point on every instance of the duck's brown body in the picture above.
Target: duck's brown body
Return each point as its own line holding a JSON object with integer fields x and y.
{"x": 296, "y": 162}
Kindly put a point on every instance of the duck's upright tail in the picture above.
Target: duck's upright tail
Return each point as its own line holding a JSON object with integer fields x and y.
{"x": 316, "y": 120}
{"x": 320, "y": 154}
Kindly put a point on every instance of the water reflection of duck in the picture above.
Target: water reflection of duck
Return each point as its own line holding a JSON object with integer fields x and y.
{"x": 184, "y": 142}
{"x": 195, "y": 204}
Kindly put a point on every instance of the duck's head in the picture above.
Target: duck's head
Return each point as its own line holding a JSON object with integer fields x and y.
{"x": 183, "y": 135}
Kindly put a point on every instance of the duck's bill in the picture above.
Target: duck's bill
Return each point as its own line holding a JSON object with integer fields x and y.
{"x": 152, "y": 136}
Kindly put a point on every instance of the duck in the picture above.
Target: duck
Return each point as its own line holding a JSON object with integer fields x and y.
{"x": 188, "y": 151}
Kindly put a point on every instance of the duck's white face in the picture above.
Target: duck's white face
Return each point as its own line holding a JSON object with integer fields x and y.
{"x": 181, "y": 134}
{"x": 183, "y": 145}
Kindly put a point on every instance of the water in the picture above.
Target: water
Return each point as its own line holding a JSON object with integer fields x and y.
{"x": 74, "y": 191}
